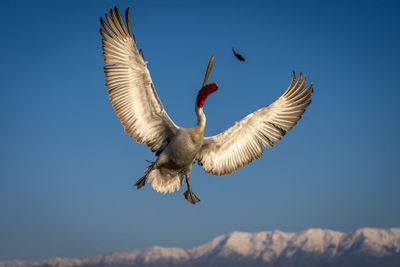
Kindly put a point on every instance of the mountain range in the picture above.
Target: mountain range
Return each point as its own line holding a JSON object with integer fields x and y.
{"x": 312, "y": 248}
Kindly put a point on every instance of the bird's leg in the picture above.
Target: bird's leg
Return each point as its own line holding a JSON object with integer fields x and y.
{"x": 189, "y": 195}
{"x": 142, "y": 181}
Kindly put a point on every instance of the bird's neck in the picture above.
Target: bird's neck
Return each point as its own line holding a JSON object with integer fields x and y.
{"x": 201, "y": 119}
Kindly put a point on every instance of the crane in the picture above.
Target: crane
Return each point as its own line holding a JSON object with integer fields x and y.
{"x": 138, "y": 107}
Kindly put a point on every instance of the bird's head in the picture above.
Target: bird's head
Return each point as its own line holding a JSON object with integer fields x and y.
{"x": 207, "y": 89}
{"x": 205, "y": 92}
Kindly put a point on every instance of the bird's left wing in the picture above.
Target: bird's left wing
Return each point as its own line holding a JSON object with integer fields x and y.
{"x": 240, "y": 144}
{"x": 131, "y": 90}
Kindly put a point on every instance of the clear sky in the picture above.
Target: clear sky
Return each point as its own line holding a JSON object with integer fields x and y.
{"x": 67, "y": 167}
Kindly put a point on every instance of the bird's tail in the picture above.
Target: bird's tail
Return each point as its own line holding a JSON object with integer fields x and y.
{"x": 163, "y": 180}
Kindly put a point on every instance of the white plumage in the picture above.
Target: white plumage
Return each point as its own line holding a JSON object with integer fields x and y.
{"x": 241, "y": 143}
{"x": 132, "y": 92}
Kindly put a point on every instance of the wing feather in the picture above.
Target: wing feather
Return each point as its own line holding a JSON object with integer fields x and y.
{"x": 240, "y": 144}
{"x": 131, "y": 90}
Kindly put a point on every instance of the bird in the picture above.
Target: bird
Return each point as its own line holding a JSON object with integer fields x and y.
{"x": 238, "y": 56}
{"x": 138, "y": 107}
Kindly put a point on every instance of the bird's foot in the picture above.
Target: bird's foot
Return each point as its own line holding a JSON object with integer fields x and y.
{"x": 191, "y": 197}
{"x": 141, "y": 182}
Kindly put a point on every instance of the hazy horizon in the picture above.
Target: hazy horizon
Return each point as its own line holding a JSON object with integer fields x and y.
{"x": 312, "y": 247}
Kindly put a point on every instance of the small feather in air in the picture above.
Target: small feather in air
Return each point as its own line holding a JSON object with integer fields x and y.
{"x": 238, "y": 56}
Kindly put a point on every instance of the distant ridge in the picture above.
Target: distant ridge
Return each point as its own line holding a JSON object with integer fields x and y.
{"x": 313, "y": 247}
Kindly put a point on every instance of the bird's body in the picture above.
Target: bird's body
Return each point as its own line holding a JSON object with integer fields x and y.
{"x": 181, "y": 151}
{"x": 141, "y": 113}
{"x": 176, "y": 158}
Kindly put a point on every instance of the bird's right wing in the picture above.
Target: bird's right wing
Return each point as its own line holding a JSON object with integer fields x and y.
{"x": 240, "y": 144}
{"x": 131, "y": 90}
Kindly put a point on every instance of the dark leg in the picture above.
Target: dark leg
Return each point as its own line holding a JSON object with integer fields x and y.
{"x": 189, "y": 195}
{"x": 142, "y": 181}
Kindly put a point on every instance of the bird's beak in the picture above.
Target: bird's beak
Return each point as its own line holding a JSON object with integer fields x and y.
{"x": 207, "y": 89}
{"x": 208, "y": 71}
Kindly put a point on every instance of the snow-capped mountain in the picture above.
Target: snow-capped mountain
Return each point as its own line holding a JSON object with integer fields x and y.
{"x": 313, "y": 247}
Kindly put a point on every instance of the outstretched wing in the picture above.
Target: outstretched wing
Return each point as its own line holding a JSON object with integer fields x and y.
{"x": 131, "y": 90}
{"x": 240, "y": 144}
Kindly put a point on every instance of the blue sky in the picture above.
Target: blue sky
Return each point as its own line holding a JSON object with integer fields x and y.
{"x": 67, "y": 167}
